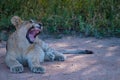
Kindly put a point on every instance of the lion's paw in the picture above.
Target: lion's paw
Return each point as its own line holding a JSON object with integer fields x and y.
{"x": 17, "y": 69}
{"x": 38, "y": 69}
{"x": 51, "y": 57}
{"x": 60, "y": 58}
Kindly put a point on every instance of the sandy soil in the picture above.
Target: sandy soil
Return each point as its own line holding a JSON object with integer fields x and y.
{"x": 104, "y": 64}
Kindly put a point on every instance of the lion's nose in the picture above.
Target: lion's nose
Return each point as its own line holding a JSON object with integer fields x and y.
{"x": 37, "y": 26}
{"x": 40, "y": 25}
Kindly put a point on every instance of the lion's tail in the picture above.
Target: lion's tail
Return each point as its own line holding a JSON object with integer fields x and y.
{"x": 77, "y": 52}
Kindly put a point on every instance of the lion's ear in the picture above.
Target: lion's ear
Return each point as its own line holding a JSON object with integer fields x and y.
{"x": 16, "y": 21}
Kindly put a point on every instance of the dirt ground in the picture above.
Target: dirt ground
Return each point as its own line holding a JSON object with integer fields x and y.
{"x": 104, "y": 64}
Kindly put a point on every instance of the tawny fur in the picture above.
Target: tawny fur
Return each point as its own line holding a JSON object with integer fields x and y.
{"x": 20, "y": 52}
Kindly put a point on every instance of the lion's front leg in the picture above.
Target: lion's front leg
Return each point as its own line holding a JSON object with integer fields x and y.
{"x": 13, "y": 64}
{"x": 34, "y": 58}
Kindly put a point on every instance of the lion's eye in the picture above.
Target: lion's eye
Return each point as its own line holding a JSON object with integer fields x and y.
{"x": 31, "y": 21}
{"x": 40, "y": 24}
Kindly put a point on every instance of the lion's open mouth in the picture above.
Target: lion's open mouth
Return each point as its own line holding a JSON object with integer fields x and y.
{"x": 32, "y": 33}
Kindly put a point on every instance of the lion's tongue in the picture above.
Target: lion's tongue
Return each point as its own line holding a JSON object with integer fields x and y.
{"x": 33, "y": 34}
{"x": 31, "y": 37}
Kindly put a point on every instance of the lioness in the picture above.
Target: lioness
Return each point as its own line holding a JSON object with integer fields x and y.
{"x": 24, "y": 47}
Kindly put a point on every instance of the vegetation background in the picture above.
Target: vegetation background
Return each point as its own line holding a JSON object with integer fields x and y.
{"x": 98, "y": 18}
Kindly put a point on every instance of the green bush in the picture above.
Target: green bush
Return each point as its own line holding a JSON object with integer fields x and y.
{"x": 90, "y": 17}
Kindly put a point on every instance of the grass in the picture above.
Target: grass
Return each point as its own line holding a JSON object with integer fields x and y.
{"x": 99, "y": 18}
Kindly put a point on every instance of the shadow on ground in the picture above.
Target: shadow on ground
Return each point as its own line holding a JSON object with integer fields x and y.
{"x": 104, "y": 64}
